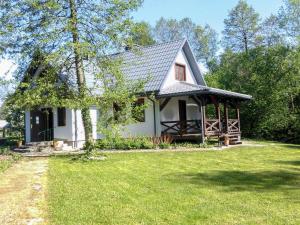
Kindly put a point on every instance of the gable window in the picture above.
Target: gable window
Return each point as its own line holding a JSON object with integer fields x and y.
{"x": 180, "y": 72}
{"x": 61, "y": 117}
{"x": 138, "y": 110}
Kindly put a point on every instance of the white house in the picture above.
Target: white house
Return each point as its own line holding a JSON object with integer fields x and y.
{"x": 181, "y": 97}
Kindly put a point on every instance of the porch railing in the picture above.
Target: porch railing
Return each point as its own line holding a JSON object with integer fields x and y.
{"x": 212, "y": 127}
{"x": 233, "y": 126}
{"x": 181, "y": 127}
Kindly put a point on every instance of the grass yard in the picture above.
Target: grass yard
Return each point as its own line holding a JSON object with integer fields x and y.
{"x": 5, "y": 160}
{"x": 242, "y": 185}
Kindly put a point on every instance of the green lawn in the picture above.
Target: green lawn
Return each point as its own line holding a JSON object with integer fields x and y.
{"x": 5, "y": 161}
{"x": 244, "y": 185}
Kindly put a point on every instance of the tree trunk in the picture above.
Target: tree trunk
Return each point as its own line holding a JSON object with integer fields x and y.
{"x": 86, "y": 118}
{"x": 245, "y": 40}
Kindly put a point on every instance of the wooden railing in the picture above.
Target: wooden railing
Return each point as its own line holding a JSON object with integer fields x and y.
{"x": 212, "y": 127}
{"x": 46, "y": 135}
{"x": 233, "y": 126}
{"x": 182, "y": 127}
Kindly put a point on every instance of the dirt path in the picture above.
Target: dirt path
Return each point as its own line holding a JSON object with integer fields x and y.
{"x": 23, "y": 192}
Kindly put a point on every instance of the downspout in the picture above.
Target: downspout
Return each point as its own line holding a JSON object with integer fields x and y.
{"x": 154, "y": 116}
{"x": 76, "y": 134}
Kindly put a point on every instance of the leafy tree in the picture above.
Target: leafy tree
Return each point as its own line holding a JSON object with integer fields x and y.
{"x": 167, "y": 30}
{"x": 67, "y": 31}
{"x": 271, "y": 31}
{"x": 203, "y": 40}
{"x": 15, "y": 118}
{"x": 117, "y": 99}
{"x": 272, "y": 76}
{"x": 207, "y": 43}
{"x": 289, "y": 15}
{"x": 142, "y": 34}
{"x": 241, "y": 28}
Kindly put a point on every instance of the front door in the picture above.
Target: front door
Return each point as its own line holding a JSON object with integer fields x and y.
{"x": 182, "y": 116}
{"x": 41, "y": 125}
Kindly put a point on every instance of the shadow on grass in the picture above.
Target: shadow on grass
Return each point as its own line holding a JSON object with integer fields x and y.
{"x": 292, "y": 162}
{"x": 241, "y": 180}
{"x": 291, "y": 146}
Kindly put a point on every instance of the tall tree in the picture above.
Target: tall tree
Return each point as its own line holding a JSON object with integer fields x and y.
{"x": 271, "y": 31}
{"x": 289, "y": 15}
{"x": 272, "y": 76}
{"x": 206, "y": 43}
{"x": 67, "y": 31}
{"x": 167, "y": 30}
{"x": 142, "y": 34}
{"x": 203, "y": 40}
{"x": 241, "y": 28}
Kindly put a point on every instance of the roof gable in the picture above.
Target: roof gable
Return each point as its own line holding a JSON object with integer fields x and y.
{"x": 154, "y": 63}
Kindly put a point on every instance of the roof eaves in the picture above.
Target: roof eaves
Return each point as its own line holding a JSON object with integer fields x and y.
{"x": 196, "y": 66}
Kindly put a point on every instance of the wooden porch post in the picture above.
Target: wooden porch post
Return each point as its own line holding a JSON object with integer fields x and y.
{"x": 219, "y": 119}
{"x": 238, "y": 116}
{"x": 226, "y": 116}
{"x": 218, "y": 114}
{"x": 201, "y": 104}
{"x": 203, "y": 119}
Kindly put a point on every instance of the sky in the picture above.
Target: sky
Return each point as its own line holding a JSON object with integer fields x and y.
{"x": 212, "y": 12}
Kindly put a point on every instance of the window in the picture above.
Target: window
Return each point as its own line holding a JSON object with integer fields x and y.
{"x": 138, "y": 110}
{"x": 61, "y": 117}
{"x": 180, "y": 72}
{"x": 37, "y": 120}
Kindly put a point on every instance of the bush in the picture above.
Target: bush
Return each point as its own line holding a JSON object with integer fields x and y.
{"x": 163, "y": 142}
{"x": 125, "y": 143}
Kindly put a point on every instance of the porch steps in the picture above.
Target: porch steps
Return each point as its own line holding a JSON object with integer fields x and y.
{"x": 235, "y": 139}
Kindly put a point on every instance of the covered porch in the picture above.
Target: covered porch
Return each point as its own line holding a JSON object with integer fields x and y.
{"x": 200, "y": 112}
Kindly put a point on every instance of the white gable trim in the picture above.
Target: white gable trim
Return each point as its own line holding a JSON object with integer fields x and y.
{"x": 192, "y": 57}
{"x": 174, "y": 61}
{"x": 181, "y": 58}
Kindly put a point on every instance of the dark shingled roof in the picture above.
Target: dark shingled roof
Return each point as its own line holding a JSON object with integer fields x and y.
{"x": 183, "y": 88}
{"x": 154, "y": 63}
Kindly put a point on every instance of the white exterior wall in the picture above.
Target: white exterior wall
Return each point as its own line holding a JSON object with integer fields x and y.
{"x": 171, "y": 110}
{"x": 170, "y": 79}
{"x": 146, "y": 128}
{"x": 65, "y": 132}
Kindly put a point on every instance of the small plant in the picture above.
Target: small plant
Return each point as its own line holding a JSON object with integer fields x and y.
{"x": 4, "y": 151}
{"x": 163, "y": 142}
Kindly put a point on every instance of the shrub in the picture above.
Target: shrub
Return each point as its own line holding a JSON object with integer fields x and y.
{"x": 125, "y": 143}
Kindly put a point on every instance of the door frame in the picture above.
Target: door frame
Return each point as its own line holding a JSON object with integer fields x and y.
{"x": 45, "y": 122}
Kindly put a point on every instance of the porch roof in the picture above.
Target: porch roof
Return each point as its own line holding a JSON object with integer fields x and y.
{"x": 184, "y": 89}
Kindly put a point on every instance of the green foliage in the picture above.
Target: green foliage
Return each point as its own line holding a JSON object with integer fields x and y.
{"x": 116, "y": 103}
{"x": 272, "y": 77}
{"x": 241, "y": 28}
{"x": 15, "y": 118}
{"x": 67, "y": 32}
{"x": 142, "y": 34}
{"x": 203, "y": 40}
{"x": 289, "y": 16}
{"x": 125, "y": 143}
